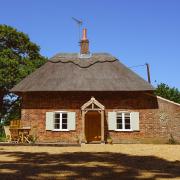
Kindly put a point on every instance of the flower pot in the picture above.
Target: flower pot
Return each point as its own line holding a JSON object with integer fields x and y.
{"x": 109, "y": 141}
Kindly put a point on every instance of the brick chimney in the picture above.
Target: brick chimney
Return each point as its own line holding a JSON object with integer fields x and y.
{"x": 84, "y": 43}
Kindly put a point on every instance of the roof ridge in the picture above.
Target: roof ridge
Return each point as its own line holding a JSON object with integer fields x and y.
{"x": 87, "y": 65}
{"x": 82, "y": 62}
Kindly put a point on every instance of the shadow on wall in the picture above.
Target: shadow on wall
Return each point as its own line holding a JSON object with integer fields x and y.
{"x": 26, "y": 165}
{"x": 74, "y": 100}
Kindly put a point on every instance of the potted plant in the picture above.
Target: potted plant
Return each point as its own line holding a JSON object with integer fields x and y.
{"x": 109, "y": 140}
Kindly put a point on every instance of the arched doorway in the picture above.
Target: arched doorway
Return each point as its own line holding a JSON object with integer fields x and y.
{"x": 92, "y": 121}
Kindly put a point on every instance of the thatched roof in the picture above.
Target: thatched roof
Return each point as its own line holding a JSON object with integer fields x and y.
{"x": 68, "y": 72}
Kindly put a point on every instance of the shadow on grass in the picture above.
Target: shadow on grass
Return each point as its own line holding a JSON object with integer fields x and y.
{"x": 85, "y": 165}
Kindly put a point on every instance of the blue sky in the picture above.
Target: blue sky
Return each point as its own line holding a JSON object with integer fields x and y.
{"x": 135, "y": 31}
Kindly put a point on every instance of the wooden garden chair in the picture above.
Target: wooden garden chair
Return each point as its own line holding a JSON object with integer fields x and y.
{"x": 19, "y": 134}
{"x": 7, "y": 133}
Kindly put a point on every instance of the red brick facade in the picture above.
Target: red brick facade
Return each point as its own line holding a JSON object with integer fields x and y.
{"x": 158, "y": 118}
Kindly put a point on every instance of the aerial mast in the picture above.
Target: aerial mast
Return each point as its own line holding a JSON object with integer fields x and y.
{"x": 79, "y": 23}
{"x": 148, "y": 72}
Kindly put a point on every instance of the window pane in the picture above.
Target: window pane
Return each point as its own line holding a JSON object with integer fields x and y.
{"x": 64, "y": 126}
{"x": 64, "y": 115}
{"x": 56, "y": 126}
{"x": 119, "y": 126}
{"x": 56, "y": 121}
{"x": 119, "y": 121}
{"x": 127, "y": 126}
{"x": 119, "y": 118}
{"x": 64, "y": 121}
{"x": 127, "y": 115}
{"x": 57, "y": 115}
{"x": 127, "y": 121}
{"x": 119, "y": 115}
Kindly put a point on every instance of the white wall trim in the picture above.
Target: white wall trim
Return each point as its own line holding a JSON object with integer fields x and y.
{"x": 123, "y": 130}
{"x": 60, "y": 130}
{"x": 172, "y": 102}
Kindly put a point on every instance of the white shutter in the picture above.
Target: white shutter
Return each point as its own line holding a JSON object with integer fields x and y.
{"x": 71, "y": 120}
{"x": 111, "y": 120}
{"x": 49, "y": 120}
{"x": 135, "y": 121}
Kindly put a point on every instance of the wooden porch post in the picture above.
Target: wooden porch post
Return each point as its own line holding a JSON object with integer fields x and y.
{"x": 102, "y": 127}
{"x": 83, "y": 140}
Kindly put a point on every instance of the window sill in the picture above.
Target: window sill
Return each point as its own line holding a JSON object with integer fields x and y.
{"x": 124, "y": 130}
{"x": 60, "y": 130}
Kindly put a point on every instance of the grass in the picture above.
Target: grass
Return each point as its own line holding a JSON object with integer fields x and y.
{"x": 131, "y": 161}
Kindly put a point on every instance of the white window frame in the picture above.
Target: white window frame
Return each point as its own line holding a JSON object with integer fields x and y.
{"x": 60, "y": 113}
{"x": 123, "y": 121}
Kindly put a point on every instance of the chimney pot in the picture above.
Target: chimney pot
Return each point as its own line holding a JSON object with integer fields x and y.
{"x": 84, "y": 35}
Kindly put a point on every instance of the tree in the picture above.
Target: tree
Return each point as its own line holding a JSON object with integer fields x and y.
{"x": 167, "y": 92}
{"x": 18, "y": 58}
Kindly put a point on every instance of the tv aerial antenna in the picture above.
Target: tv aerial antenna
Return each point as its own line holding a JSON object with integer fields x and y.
{"x": 79, "y": 23}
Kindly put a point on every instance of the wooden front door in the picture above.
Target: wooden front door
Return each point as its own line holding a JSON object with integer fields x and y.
{"x": 93, "y": 126}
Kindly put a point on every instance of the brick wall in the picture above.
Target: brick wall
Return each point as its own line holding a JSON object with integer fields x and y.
{"x": 158, "y": 118}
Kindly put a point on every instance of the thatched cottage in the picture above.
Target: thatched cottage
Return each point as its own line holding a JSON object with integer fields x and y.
{"x": 89, "y": 98}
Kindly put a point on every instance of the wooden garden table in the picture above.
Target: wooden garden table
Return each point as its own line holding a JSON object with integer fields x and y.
{"x": 20, "y": 135}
